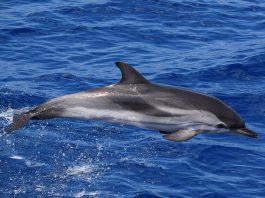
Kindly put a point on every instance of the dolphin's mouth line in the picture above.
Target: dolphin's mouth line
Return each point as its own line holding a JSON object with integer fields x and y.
{"x": 245, "y": 132}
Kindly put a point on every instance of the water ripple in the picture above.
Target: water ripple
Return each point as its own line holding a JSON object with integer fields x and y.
{"x": 51, "y": 48}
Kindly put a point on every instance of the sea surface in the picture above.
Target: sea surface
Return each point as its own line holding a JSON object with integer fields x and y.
{"x": 52, "y": 48}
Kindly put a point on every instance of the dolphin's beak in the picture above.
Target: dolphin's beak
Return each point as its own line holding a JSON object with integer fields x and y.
{"x": 246, "y": 132}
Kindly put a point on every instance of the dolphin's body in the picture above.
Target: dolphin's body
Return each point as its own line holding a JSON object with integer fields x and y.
{"x": 178, "y": 113}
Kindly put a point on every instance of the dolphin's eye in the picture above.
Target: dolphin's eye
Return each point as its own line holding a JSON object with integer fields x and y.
{"x": 220, "y": 125}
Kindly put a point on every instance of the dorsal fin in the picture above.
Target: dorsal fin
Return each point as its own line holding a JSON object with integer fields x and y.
{"x": 130, "y": 75}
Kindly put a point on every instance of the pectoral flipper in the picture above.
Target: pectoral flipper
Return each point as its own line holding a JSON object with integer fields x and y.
{"x": 181, "y": 135}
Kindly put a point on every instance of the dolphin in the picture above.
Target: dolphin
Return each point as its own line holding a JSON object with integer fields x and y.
{"x": 178, "y": 113}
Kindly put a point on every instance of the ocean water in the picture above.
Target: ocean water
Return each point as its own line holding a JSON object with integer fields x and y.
{"x": 52, "y": 48}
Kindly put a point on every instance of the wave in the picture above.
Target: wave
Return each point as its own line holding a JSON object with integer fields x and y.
{"x": 249, "y": 69}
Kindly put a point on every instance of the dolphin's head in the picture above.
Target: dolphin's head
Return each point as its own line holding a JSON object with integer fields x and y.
{"x": 218, "y": 117}
{"x": 229, "y": 120}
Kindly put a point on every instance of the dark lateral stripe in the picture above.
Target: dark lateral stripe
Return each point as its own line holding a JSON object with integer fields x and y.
{"x": 143, "y": 108}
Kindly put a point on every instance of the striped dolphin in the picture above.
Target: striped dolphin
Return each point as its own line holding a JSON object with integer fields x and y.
{"x": 178, "y": 113}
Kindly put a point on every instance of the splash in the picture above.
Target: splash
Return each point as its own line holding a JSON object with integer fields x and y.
{"x": 7, "y": 117}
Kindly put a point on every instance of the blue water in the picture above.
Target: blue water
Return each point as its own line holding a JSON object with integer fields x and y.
{"x": 52, "y": 48}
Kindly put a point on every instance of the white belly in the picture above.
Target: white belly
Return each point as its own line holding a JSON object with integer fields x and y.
{"x": 132, "y": 118}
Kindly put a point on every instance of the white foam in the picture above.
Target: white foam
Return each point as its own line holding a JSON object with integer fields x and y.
{"x": 16, "y": 157}
{"x": 79, "y": 170}
{"x": 84, "y": 193}
{"x": 39, "y": 188}
{"x": 19, "y": 191}
{"x": 29, "y": 163}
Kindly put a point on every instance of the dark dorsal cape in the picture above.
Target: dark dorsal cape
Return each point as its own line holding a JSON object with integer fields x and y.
{"x": 130, "y": 75}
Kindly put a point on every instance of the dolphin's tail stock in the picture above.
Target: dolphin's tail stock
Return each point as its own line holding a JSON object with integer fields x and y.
{"x": 39, "y": 113}
{"x": 19, "y": 120}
